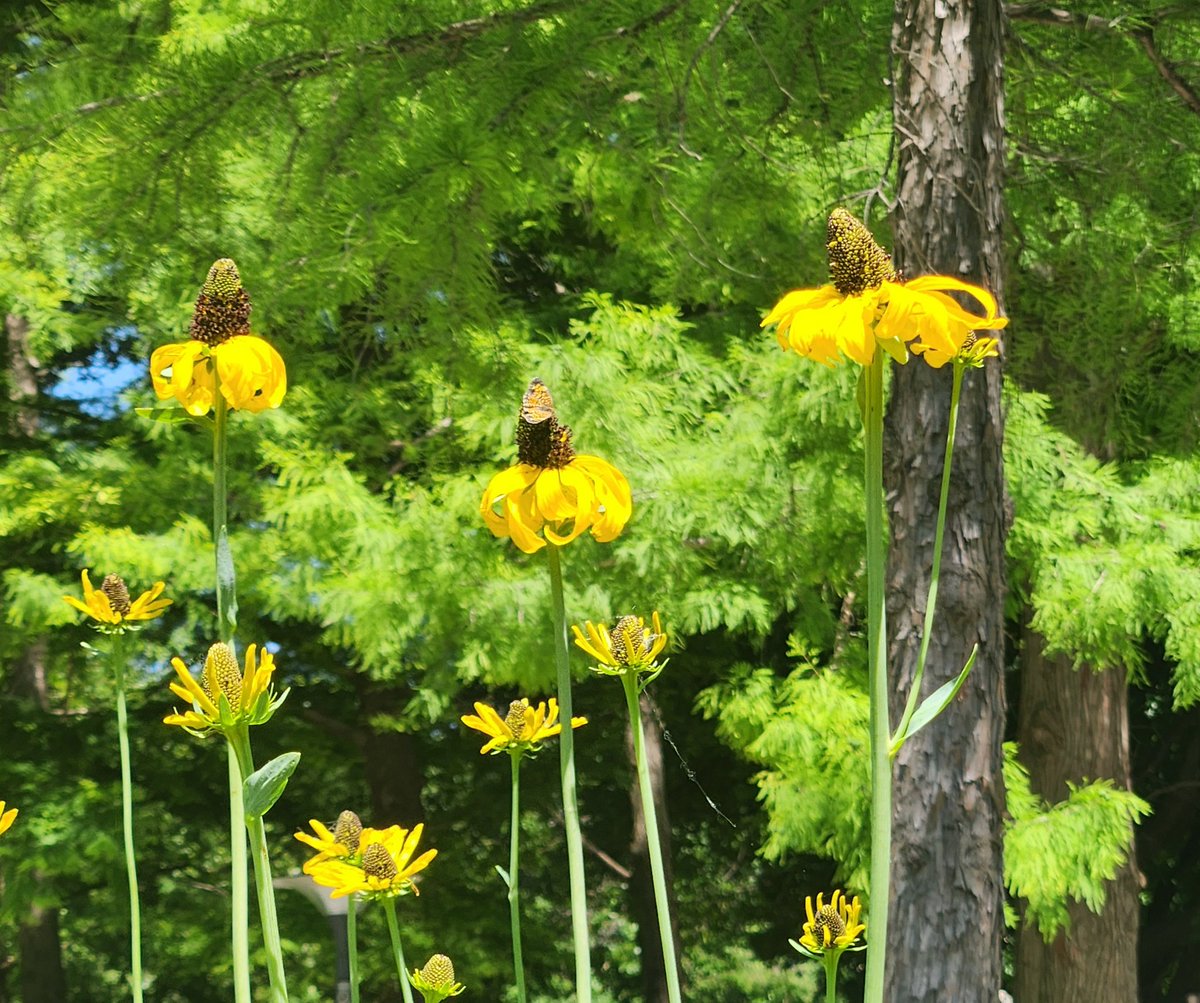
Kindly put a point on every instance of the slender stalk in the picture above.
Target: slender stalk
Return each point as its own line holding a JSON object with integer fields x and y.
{"x": 389, "y": 907}
{"x": 135, "y": 909}
{"x": 881, "y": 774}
{"x": 514, "y": 869}
{"x": 566, "y": 760}
{"x": 264, "y": 886}
{"x": 831, "y": 966}
{"x": 352, "y": 944}
{"x": 629, "y": 680}
{"x": 239, "y": 882}
{"x": 931, "y": 600}
{"x": 226, "y": 578}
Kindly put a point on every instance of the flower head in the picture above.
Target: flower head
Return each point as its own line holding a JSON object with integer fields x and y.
{"x": 552, "y": 494}
{"x": 342, "y": 841}
{"x": 6, "y": 818}
{"x": 111, "y": 608}
{"x": 629, "y": 646}
{"x": 521, "y": 730}
{"x": 832, "y": 927}
{"x": 225, "y": 698}
{"x": 250, "y": 373}
{"x": 436, "y": 980}
{"x": 382, "y": 866}
{"x": 868, "y": 304}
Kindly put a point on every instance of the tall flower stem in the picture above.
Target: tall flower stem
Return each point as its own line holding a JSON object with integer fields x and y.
{"x": 514, "y": 870}
{"x": 239, "y": 882}
{"x": 119, "y": 655}
{"x": 226, "y": 578}
{"x": 566, "y": 760}
{"x": 264, "y": 886}
{"x": 629, "y": 680}
{"x": 931, "y": 601}
{"x": 881, "y": 772}
{"x": 830, "y": 960}
{"x": 389, "y": 907}
{"x": 352, "y": 944}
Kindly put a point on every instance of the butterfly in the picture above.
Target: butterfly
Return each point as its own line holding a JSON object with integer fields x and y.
{"x": 537, "y": 405}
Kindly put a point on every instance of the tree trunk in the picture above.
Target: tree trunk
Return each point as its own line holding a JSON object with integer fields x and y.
{"x": 42, "y": 978}
{"x": 22, "y": 375}
{"x": 947, "y": 892}
{"x": 391, "y": 758}
{"x": 641, "y": 886}
{"x": 1073, "y": 726}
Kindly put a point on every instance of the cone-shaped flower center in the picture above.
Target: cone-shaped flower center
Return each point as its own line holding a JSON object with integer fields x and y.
{"x": 628, "y": 642}
{"x": 223, "y": 306}
{"x": 114, "y": 587}
{"x": 856, "y": 262}
{"x": 221, "y": 676}
{"x": 542, "y": 441}
{"x": 515, "y": 720}
{"x": 378, "y": 863}
{"x": 438, "y": 972}
{"x": 827, "y": 918}
{"x": 348, "y": 830}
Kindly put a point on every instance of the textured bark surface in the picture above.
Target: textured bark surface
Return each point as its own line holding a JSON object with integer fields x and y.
{"x": 42, "y": 978}
{"x": 641, "y": 886}
{"x": 1073, "y": 726}
{"x": 947, "y": 895}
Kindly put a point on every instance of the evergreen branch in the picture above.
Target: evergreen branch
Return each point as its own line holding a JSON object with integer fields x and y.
{"x": 1143, "y": 33}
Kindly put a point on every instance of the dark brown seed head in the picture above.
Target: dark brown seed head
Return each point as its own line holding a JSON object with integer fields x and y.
{"x": 114, "y": 587}
{"x": 542, "y": 441}
{"x": 223, "y": 306}
{"x": 378, "y": 863}
{"x": 348, "y": 830}
{"x": 515, "y": 721}
{"x": 856, "y": 262}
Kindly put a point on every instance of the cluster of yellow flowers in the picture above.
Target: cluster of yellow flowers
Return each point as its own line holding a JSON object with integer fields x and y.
{"x": 353, "y": 860}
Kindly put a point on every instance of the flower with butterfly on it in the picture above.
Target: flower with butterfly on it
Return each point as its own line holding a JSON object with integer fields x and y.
{"x": 112, "y": 609}
{"x": 832, "y": 927}
{"x": 6, "y": 818}
{"x": 553, "y": 495}
{"x": 522, "y": 730}
{"x": 221, "y": 354}
{"x": 868, "y": 304}
{"x": 630, "y": 646}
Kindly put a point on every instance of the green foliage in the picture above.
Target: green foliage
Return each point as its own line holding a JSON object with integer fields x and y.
{"x": 1067, "y": 851}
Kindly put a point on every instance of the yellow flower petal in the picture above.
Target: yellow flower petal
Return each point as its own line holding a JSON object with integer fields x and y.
{"x": 253, "y": 376}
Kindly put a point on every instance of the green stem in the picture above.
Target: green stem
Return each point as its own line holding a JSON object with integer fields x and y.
{"x": 831, "y": 966}
{"x": 566, "y": 760}
{"x": 629, "y": 680}
{"x": 135, "y": 909}
{"x": 226, "y": 578}
{"x": 264, "y": 886}
{"x": 239, "y": 882}
{"x": 389, "y": 907}
{"x": 352, "y": 944}
{"x": 881, "y": 774}
{"x": 931, "y": 601}
{"x": 514, "y": 865}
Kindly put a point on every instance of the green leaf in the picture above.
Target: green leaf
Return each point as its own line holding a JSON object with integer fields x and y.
{"x": 933, "y": 705}
{"x": 503, "y": 876}
{"x": 265, "y": 784}
{"x": 167, "y": 415}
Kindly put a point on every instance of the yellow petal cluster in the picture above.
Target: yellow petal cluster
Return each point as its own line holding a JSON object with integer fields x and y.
{"x": 629, "y": 646}
{"x": 869, "y": 306}
{"x": 522, "y": 730}
{"x": 6, "y": 818}
{"x": 382, "y": 867}
{"x": 832, "y": 926}
{"x": 223, "y": 699}
{"x": 251, "y": 373}
{"x": 98, "y": 605}
{"x": 533, "y": 505}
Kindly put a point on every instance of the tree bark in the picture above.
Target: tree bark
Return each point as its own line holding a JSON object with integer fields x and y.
{"x": 1073, "y": 725}
{"x": 42, "y": 978}
{"x": 641, "y": 886}
{"x": 947, "y": 893}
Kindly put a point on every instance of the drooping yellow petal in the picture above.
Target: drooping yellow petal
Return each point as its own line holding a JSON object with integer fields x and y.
{"x": 253, "y": 376}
